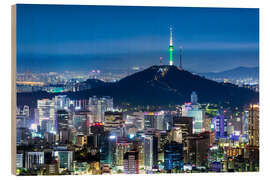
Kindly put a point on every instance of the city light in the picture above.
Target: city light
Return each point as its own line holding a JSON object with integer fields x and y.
{"x": 125, "y": 102}
{"x": 112, "y": 137}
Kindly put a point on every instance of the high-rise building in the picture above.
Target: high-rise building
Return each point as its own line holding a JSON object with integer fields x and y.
{"x": 171, "y": 47}
{"x": 193, "y": 110}
{"x": 253, "y": 125}
{"x": 123, "y": 145}
{"x": 150, "y": 151}
{"x": 245, "y": 120}
{"x": 198, "y": 148}
{"x": 198, "y": 117}
{"x": 23, "y": 117}
{"x": 182, "y": 130}
{"x": 46, "y": 114}
{"x": 22, "y": 136}
{"x": 136, "y": 119}
{"x": 94, "y": 140}
{"x": 114, "y": 122}
{"x": 108, "y": 149}
{"x": 19, "y": 160}
{"x": 63, "y": 122}
{"x": 22, "y": 121}
{"x": 81, "y": 121}
{"x": 185, "y": 124}
{"x": 98, "y": 106}
{"x": 61, "y": 102}
{"x": 34, "y": 160}
{"x": 154, "y": 120}
{"x": 220, "y": 125}
{"x": 173, "y": 156}
{"x": 131, "y": 162}
{"x": 64, "y": 159}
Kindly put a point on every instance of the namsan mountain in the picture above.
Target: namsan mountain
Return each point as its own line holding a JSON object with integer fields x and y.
{"x": 160, "y": 85}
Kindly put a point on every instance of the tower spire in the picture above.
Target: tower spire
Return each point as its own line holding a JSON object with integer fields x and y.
{"x": 171, "y": 47}
{"x": 171, "y": 40}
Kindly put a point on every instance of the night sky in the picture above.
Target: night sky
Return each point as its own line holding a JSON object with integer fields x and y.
{"x": 80, "y": 38}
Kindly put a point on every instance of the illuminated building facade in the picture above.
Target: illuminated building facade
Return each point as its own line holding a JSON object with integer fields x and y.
{"x": 131, "y": 162}
{"x": 194, "y": 110}
{"x": 220, "y": 124}
{"x": 64, "y": 159}
{"x": 114, "y": 122}
{"x": 253, "y": 129}
{"x": 81, "y": 121}
{"x": 154, "y": 120}
{"x": 173, "y": 156}
{"x": 61, "y": 102}
{"x": 62, "y": 125}
{"x": 245, "y": 120}
{"x": 34, "y": 160}
{"x": 150, "y": 152}
{"x": 19, "y": 160}
{"x": 46, "y": 114}
{"x": 98, "y": 106}
{"x": 198, "y": 117}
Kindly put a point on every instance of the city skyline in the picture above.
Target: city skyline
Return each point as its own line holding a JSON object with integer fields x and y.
{"x": 120, "y": 90}
{"x": 223, "y": 38}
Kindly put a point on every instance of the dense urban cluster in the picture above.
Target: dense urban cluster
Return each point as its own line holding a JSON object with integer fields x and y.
{"x": 54, "y": 82}
{"x": 97, "y": 115}
{"x": 63, "y": 136}
{"x": 66, "y": 81}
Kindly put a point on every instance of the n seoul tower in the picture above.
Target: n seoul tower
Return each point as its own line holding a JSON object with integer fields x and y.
{"x": 171, "y": 47}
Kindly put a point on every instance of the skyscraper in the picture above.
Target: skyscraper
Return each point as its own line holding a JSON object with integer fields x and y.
{"x": 171, "y": 47}
{"x": 98, "y": 106}
{"x": 150, "y": 151}
{"x": 82, "y": 121}
{"x": 131, "y": 162}
{"x": 198, "y": 115}
{"x": 34, "y": 160}
{"x": 154, "y": 120}
{"x": 114, "y": 122}
{"x": 64, "y": 158}
{"x": 220, "y": 124}
{"x": 46, "y": 114}
{"x": 173, "y": 156}
{"x": 62, "y": 124}
{"x": 61, "y": 102}
{"x": 253, "y": 125}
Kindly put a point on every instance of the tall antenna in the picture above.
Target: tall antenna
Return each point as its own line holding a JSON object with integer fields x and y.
{"x": 180, "y": 57}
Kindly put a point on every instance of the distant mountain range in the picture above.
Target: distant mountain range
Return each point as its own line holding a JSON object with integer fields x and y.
{"x": 157, "y": 85}
{"x": 236, "y": 73}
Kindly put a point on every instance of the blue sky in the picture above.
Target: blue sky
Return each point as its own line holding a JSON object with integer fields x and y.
{"x": 80, "y": 38}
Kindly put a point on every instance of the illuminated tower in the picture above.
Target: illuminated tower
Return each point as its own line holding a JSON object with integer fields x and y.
{"x": 171, "y": 47}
